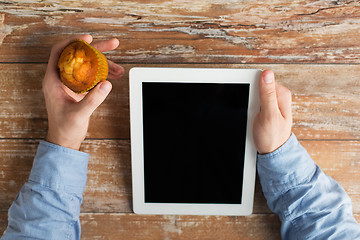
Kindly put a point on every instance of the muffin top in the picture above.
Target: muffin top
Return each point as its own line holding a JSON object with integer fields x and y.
{"x": 78, "y": 66}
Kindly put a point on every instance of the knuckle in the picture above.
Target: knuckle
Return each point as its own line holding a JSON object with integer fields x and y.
{"x": 269, "y": 93}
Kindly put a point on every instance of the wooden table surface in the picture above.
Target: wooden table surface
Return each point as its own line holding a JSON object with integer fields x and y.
{"x": 313, "y": 47}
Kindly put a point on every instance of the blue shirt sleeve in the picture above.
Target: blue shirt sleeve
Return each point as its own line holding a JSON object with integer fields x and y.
{"x": 310, "y": 204}
{"x": 48, "y": 205}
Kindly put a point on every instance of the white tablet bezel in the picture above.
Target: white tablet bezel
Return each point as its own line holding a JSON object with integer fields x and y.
{"x": 139, "y": 75}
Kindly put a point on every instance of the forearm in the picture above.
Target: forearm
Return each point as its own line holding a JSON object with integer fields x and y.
{"x": 309, "y": 203}
{"x": 48, "y": 205}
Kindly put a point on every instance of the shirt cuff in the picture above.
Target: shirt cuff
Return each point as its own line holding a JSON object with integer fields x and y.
{"x": 286, "y": 167}
{"x": 60, "y": 168}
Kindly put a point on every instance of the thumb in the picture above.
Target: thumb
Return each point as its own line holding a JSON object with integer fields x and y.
{"x": 267, "y": 89}
{"x": 94, "y": 98}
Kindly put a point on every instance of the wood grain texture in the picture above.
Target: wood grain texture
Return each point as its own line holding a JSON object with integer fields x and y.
{"x": 325, "y": 101}
{"x": 130, "y": 226}
{"x": 108, "y": 188}
{"x": 238, "y": 31}
{"x": 22, "y": 106}
{"x": 318, "y": 37}
{"x": 146, "y": 227}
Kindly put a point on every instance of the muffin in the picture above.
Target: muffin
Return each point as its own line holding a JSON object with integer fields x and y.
{"x": 81, "y": 66}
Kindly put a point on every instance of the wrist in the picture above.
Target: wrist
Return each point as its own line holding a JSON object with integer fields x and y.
{"x": 72, "y": 143}
{"x": 292, "y": 138}
{"x": 275, "y": 146}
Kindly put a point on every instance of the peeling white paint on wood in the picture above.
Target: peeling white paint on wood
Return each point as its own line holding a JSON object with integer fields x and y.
{"x": 325, "y": 97}
{"x": 4, "y": 29}
{"x": 226, "y": 30}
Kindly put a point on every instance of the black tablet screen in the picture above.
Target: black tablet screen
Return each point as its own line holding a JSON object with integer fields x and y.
{"x": 194, "y": 142}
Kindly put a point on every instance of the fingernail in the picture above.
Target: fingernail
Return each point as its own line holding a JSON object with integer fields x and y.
{"x": 105, "y": 88}
{"x": 269, "y": 78}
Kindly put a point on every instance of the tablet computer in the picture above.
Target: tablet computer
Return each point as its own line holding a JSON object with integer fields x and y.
{"x": 192, "y": 149}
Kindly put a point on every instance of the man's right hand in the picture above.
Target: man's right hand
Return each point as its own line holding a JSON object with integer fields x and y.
{"x": 272, "y": 126}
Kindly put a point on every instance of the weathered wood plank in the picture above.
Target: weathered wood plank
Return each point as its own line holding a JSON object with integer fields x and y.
{"x": 109, "y": 176}
{"x": 130, "y": 226}
{"x": 108, "y": 187}
{"x": 178, "y": 34}
{"x": 186, "y": 31}
{"x": 23, "y": 113}
{"x": 325, "y": 101}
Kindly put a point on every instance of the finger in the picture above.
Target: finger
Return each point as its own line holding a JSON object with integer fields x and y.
{"x": 94, "y": 98}
{"x": 267, "y": 90}
{"x": 115, "y": 70}
{"x": 106, "y": 45}
{"x": 75, "y": 97}
{"x": 57, "y": 49}
{"x": 284, "y": 101}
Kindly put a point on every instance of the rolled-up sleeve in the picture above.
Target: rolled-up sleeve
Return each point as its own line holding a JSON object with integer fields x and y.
{"x": 48, "y": 205}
